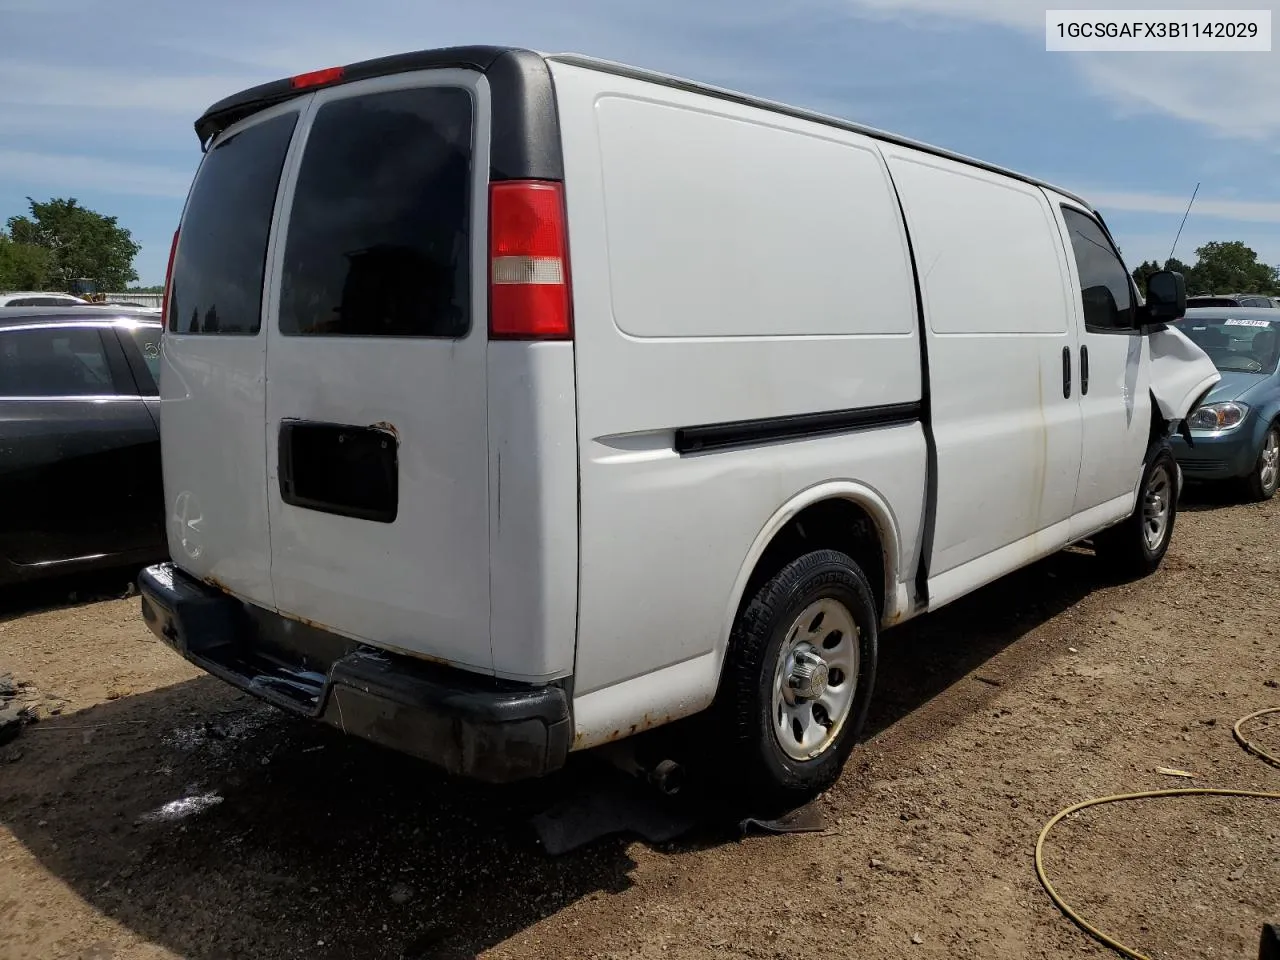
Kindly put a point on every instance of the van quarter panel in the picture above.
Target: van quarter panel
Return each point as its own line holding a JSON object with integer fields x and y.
{"x": 715, "y": 284}
{"x": 1002, "y": 348}
{"x": 533, "y": 508}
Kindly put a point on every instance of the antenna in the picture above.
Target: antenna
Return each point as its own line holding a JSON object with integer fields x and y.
{"x": 1184, "y": 220}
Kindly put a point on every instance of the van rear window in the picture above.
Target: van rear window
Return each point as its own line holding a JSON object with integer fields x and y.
{"x": 222, "y": 249}
{"x": 379, "y": 234}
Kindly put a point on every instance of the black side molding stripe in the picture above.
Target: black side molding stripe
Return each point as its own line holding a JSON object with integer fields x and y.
{"x": 745, "y": 433}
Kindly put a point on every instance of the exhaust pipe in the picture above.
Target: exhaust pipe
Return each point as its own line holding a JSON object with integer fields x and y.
{"x": 668, "y": 777}
{"x": 665, "y": 775}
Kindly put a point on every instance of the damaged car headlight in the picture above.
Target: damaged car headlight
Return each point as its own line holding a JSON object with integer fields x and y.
{"x": 1213, "y": 417}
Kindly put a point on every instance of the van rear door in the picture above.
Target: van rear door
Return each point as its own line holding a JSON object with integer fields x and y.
{"x": 376, "y": 426}
{"x": 213, "y": 359}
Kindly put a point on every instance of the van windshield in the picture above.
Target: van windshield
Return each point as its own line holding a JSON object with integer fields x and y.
{"x": 1235, "y": 344}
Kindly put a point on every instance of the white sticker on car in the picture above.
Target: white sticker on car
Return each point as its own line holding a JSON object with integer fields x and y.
{"x": 1246, "y": 323}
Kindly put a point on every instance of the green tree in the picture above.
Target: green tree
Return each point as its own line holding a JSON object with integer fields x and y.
{"x": 1142, "y": 273}
{"x": 22, "y": 266}
{"x": 1231, "y": 267}
{"x": 80, "y": 243}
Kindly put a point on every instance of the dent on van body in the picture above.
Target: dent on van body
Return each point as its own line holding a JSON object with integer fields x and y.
{"x": 1181, "y": 373}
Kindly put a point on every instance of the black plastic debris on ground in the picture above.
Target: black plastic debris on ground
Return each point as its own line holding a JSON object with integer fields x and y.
{"x": 1269, "y": 949}
{"x": 806, "y": 819}
{"x": 611, "y": 803}
{"x": 12, "y": 720}
{"x": 12, "y": 717}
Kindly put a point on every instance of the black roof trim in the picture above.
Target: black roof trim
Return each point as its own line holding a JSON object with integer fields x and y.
{"x": 526, "y": 130}
{"x": 693, "y": 86}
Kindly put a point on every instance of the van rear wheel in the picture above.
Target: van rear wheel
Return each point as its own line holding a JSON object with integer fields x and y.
{"x": 1135, "y": 547}
{"x": 798, "y": 681}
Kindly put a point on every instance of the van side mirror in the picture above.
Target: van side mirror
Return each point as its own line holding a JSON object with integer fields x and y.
{"x": 1166, "y": 297}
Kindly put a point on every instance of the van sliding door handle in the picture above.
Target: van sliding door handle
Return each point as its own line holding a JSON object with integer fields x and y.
{"x": 1066, "y": 373}
{"x": 1084, "y": 370}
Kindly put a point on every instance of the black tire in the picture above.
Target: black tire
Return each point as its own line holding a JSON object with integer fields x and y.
{"x": 1255, "y": 485}
{"x": 761, "y": 776}
{"x": 1125, "y": 548}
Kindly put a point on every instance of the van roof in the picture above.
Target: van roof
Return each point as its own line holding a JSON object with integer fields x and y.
{"x": 531, "y": 107}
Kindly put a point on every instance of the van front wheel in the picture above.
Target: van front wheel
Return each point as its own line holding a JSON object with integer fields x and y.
{"x": 1135, "y": 547}
{"x": 798, "y": 681}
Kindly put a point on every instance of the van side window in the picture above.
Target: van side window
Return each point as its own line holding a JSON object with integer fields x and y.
{"x": 222, "y": 248}
{"x": 1105, "y": 286}
{"x": 379, "y": 237}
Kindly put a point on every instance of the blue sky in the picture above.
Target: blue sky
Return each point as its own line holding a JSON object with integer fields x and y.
{"x": 97, "y": 98}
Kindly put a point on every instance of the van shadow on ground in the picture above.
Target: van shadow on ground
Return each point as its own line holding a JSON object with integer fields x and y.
{"x": 299, "y": 842}
{"x": 926, "y": 656}
{"x": 21, "y": 599}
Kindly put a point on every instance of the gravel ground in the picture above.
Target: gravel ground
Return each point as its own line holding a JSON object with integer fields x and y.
{"x": 154, "y": 812}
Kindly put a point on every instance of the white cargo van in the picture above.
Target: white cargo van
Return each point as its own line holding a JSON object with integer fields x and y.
{"x": 514, "y": 404}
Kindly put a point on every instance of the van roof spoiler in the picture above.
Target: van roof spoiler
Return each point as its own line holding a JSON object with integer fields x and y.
{"x": 526, "y": 129}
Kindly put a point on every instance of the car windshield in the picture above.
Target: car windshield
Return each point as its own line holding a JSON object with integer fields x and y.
{"x": 1236, "y": 344}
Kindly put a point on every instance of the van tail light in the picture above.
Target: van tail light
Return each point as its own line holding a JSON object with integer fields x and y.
{"x": 168, "y": 283}
{"x": 528, "y": 262}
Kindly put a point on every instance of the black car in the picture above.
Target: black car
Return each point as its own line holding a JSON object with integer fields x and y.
{"x": 1232, "y": 300}
{"x": 80, "y": 476}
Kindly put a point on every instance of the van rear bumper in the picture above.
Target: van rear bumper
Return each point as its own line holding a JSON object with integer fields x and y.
{"x": 469, "y": 725}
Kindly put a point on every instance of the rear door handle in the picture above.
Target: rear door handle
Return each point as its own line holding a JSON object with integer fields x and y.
{"x": 1066, "y": 373}
{"x": 1084, "y": 370}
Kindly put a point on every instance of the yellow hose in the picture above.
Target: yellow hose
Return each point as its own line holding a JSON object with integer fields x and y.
{"x": 1253, "y": 748}
{"x": 1066, "y": 908}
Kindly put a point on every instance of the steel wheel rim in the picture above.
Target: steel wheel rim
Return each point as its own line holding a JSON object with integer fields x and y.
{"x": 1156, "y": 507}
{"x": 816, "y": 679}
{"x": 1270, "y": 460}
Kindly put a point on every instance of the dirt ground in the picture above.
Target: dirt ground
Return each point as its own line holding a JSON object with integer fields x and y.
{"x": 154, "y": 812}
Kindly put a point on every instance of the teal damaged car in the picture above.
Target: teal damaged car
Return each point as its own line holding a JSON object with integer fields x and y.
{"x": 1235, "y": 431}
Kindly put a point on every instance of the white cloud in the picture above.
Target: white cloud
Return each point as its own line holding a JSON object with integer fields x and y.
{"x": 58, "y": 170}
{"x": 1238, "y": 211}
{"x": 1232, "y": 95}
{"x": 45, "y": 85}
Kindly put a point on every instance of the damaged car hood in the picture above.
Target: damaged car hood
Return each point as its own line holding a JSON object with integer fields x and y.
{"x": 1181, "y": 373}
